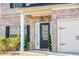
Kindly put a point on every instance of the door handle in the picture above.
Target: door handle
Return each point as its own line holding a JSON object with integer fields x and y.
{"x": 62, "y": 44}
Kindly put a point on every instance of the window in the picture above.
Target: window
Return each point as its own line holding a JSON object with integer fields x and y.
{"x": 14, "y": 31}
{"x": 17, "y": 5}
{"x": 11, "y": 5}
{"x": 45, "y": 32}
{"x": 23, "y": 4}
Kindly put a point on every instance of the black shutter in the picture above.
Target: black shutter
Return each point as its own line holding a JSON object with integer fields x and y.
{"x": 23, "y": 4}
{"x": 7, "y": 31}
{"x": 11, "y": 5}
{"x": 28, "y": 32}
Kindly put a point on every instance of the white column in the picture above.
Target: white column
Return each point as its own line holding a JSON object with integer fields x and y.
{"x": 22, "y": 33}
{"x": 37, "y": 38}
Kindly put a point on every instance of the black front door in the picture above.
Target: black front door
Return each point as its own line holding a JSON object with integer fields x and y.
{"x": 44, "y": 31}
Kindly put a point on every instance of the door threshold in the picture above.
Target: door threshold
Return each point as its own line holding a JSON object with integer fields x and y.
{"x": 42, "y": 49}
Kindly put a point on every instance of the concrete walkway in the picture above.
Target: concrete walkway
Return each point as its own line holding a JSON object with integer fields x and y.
{"x": 56, "y": 54}
{"x": 44, "y": 52}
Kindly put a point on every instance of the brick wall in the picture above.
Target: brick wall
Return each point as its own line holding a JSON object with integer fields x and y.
{"x": 66, "y": 13}
{"x": 11, "y": 17}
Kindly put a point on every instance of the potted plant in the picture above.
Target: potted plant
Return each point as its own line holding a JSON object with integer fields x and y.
{"x": 26, "y": 42}
{"x": 49, "y": 42}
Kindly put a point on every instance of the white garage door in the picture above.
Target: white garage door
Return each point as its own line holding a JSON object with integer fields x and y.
{"x": 69, "y": 35}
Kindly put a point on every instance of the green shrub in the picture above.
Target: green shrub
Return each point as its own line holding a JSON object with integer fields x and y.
{"x": 49, "y": 42}
{"x": 2, "y": 48}
{"x": 9, "y": 44}
{"x": 2, "y": 45}
{"x": 12, "y": 43}
{"x": 25, "y": 41}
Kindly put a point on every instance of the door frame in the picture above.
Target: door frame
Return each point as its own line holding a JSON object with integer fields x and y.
{"x": 37, "y": 33}
{"x": 58, "y": 21}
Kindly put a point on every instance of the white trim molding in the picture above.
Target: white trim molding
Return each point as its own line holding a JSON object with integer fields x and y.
{"x": 58, "y": 33}
{"x": 37, "y": 36}
{"x": 22, "y": 33}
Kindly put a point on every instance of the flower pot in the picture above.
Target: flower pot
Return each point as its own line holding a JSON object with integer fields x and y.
{"x": 26, "y": 49}
{"x": 50, "y": 49}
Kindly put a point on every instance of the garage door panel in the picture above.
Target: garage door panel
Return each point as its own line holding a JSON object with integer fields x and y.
{"x": 69, "y": 36}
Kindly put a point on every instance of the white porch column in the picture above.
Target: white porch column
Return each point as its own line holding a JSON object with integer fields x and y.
{"x": 22, "y": 33}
